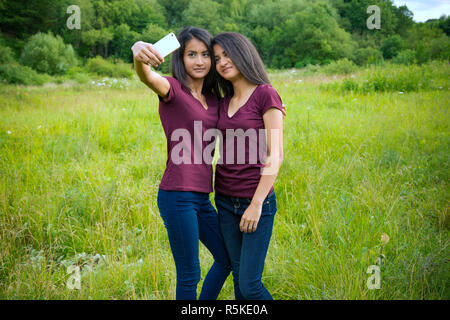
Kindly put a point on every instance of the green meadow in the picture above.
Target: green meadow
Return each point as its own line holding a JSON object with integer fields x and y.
{"x": 364, "y": 182}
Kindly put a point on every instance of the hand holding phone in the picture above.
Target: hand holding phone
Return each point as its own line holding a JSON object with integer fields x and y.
{"x": 154, "y": 54}
{"x": 167, "y": 45}
{"x": 146, "y": 53}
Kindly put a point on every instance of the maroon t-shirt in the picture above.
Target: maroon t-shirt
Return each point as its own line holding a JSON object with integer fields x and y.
{"x": 185, "y": 121}
{"x": 239, "y": 169}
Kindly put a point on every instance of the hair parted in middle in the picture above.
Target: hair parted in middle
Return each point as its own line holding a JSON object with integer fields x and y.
{"x": 210, "y": 85}
{"x": 244, "y": 56}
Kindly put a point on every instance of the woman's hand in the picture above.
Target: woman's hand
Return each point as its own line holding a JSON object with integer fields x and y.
{"x": 146, "y": 53}
{"x": 283, "y": 111}
{"x": 250, "y": 218}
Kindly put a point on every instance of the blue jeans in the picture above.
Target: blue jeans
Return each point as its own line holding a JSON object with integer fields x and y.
{"x": 247, "y": 251}
{"x": 188, "y": 217}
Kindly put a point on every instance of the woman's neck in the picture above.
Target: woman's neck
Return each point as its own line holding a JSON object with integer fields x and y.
{"x": 196, "y": 86}
{"x": 241, "y": 87}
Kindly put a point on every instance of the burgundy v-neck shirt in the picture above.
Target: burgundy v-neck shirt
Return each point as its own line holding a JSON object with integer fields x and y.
{"x": 239, "y": 179}
{"x": 180, "y": 111}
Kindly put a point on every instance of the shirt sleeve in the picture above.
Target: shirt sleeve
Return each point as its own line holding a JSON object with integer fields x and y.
{"x": 175, "y": 87}
{"x": 269, "y": 98}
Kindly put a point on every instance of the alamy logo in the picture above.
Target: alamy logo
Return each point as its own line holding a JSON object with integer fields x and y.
{"x": 74, "y": 21}
{"x": 241, "y": 147}
{"x": 374, "y": 281}
{"x": 374, "y": 21}
{"x": 74, "y": 281}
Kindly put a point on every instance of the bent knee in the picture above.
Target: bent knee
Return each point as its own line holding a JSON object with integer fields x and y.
{"x": 189, "y": 278}
{"x": 251, "y": 290}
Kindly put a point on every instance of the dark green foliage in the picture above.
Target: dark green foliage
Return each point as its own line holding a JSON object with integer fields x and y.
{"x": 442, "y": 23}
{"x": 392, "y": 46}
{"x": 286, "y": 33}
{"x": 23, "y": 17}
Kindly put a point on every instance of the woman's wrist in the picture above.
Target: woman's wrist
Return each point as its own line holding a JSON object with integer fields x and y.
{"x": 257, "y": 202}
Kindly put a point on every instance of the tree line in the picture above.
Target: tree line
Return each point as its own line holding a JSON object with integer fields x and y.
{"x": 287, "y": 33}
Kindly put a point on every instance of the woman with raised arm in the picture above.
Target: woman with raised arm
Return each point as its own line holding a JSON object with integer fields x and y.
{"x": 244, "y": 194}
{"x": 190, "y": 95}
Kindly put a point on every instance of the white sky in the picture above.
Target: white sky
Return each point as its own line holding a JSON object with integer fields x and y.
{"x": 425, "y": 9}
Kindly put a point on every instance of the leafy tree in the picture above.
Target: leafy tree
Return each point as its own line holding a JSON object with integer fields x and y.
{"x": 404, "y": 20}
{"x": 153, "y": 33}
{"x": 174, "y": 11}
{"x": 440, "y": 48}
{"x": 203, "y": 14}
{"x": 149, "y": 11}
{"x": 234, "y": 8}
{"x": 47, "y": 53}
{"x": 420, "y": 38}
{"x": 313, "y": 36}
{"x": 392, "y": 46}
{"x": 122, "y": 41}
{"x": 98, "y": 40}
{"x": 443, "y": 23}
{"x": 22, "y": 18}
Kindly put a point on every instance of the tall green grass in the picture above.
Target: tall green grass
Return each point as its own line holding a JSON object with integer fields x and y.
{"x": 80, "y": 168}
{"x": 431, "y": 76}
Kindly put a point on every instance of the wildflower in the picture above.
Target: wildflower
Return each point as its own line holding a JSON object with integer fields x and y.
{"x": 8, "y": 132}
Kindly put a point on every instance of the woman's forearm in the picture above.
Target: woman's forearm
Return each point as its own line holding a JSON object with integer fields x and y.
{"x": 145, "y": 54}
{"x": 267, "y": 181}
{"x": 143, "y": 71}
{"x": 273, "y": 122}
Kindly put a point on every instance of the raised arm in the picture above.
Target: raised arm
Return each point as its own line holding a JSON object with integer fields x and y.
{"x": 144, "y": 55}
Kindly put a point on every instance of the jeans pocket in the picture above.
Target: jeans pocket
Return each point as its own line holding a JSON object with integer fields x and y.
{"x": 269, "y": 205}
{"x": 266, "y": 208}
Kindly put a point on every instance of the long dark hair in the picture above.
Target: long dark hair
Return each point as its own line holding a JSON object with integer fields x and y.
{"x": 210, "y": 85}
{"x": 244, "y": 56}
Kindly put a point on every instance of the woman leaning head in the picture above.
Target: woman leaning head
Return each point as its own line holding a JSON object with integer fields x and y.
{"x": 235, "y": 56}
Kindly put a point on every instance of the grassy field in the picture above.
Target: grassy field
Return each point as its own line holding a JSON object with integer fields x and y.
{"x": 365, "y": 173}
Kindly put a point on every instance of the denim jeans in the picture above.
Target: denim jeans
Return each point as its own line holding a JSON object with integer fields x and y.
{"x": 188, "y": 217}
{"x": 247, "y": 251}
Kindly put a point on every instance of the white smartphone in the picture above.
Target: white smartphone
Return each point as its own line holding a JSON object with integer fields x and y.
{"x": 167, "y": 45}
